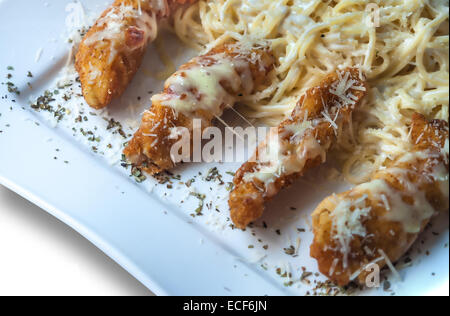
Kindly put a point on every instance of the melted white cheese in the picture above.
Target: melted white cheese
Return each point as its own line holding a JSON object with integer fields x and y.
{"x": 283, "y": 157}
{"x": 200, "y": 87}
{"x": 115, "y": 28}
{"x": 410, "y": 216}
{"x": 298, "y": 130}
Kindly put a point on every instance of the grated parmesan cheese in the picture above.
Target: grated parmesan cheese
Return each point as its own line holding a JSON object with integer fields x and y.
{"x": 347, "y": 222}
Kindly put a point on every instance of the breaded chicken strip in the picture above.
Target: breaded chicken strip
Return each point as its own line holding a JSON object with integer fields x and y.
{"x": 298, "y": 144}
{"x": 111, "y": 52}
{"x": 196, "y": 94}
{"x": 377, "y": 222}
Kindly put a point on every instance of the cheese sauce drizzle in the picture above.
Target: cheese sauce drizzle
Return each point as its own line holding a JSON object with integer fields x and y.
{"x": 113, "y": 29}
{"x": 200, "y": 87}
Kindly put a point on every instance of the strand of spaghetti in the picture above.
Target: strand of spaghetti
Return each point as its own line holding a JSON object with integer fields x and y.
{"x": 306, "y": 39}
{"x": 371, "y": 51}
{"x": 402, "y": 59}
{"x": 345, "y": 4}
{"x": 432, "y": 78}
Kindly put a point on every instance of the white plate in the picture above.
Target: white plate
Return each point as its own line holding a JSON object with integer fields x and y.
{"x": 145, "y": 227}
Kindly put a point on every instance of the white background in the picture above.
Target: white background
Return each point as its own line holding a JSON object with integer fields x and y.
{"x": 42, "y": 256}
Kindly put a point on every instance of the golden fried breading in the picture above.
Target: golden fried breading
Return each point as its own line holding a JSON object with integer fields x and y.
{"x": 298, "y": 144}
{"x": 377, "y": 222}
{"x": 112, "y": 51}
{"x": 200, "y": 89}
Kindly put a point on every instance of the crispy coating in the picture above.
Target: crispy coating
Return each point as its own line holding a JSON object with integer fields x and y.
{"x": 112, "y": 50}
{"x": 249, "y": 196}
{"x": 150, "y": 148}
{"x": 385, "y": 216}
